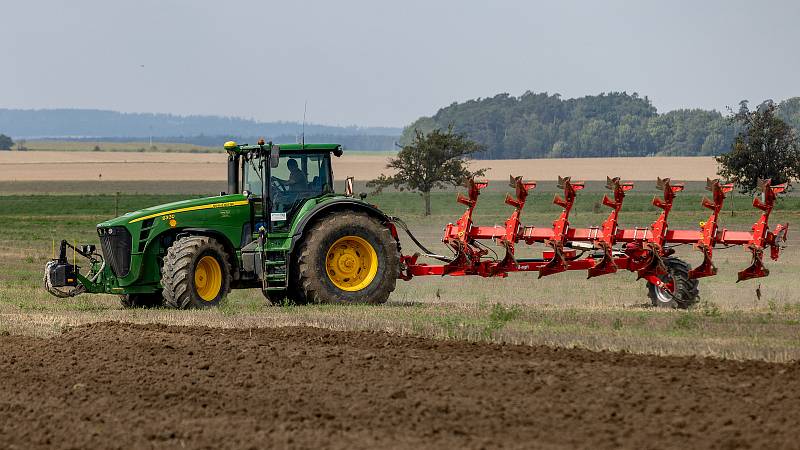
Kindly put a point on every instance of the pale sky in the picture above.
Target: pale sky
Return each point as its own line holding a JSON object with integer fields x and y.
{"x": 387, "y": 63}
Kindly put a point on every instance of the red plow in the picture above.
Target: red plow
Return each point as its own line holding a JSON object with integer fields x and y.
{"x": 606, "y": 249}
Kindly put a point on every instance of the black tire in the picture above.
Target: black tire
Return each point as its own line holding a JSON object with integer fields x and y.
{"x": 686, "y": 292}
{"x": 314, "y": 282}
{"x": 153, "y": 300}
{"x": 179, "y": 272}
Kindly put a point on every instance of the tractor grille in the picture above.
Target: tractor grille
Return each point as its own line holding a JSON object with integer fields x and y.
{"x": 116, "y": 243}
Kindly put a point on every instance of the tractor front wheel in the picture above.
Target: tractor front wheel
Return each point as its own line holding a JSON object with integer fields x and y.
{"x": 347, "y": 257}
{"x": 196, "y": 273}
{"x": 684, "y": 292}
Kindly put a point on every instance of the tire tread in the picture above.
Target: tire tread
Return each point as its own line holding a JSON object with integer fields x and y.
{"x": 310, "y": 285}
{"x": 177, "y": 270}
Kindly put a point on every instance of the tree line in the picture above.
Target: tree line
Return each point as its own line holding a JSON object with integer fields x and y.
{"x": 765, "y": 150}
{"x": 540, "y": 125}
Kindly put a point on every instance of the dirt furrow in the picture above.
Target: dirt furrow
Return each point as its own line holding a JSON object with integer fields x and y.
{"x": 150, "y": 386}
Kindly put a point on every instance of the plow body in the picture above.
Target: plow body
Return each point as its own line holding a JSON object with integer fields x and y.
{"x": 609, "y": 248}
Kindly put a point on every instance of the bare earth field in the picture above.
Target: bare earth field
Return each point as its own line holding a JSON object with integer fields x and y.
{"x": 125, "y": 166}
{"x": 152, "y": 386}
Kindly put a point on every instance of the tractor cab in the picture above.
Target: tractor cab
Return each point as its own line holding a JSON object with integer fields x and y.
{"x": 286, "y": 175}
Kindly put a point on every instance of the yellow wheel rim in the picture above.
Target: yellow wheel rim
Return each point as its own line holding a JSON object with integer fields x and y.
{"x": 208, "y": 278}
{"x": 351, "y": 263}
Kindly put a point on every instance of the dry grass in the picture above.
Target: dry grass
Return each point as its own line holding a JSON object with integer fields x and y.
{"x": 122, "y": 166}
{"x": 768, "y": 335}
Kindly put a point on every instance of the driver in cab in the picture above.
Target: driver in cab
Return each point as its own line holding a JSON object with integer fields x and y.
{"x": 298, "y": 181}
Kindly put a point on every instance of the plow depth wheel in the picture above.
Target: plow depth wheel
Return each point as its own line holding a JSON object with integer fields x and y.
{"x": 680, "y": 292}
{"x": 347, "y": 257}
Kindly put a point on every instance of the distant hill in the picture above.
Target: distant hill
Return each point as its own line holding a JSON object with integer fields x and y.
{"x": 614, "y": 124}
{"x": 200, "y": 130}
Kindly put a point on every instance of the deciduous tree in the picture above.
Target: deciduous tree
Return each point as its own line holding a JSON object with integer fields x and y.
{"x": 765, "y": 148}
{"x": 431, "y": 161}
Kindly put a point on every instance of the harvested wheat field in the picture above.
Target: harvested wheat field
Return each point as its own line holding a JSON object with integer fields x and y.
{"x": 111, "y": 385}
{"x": 127, "y": 166}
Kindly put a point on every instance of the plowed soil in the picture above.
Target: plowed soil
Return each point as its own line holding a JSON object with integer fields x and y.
{"x": 133, "y": 386}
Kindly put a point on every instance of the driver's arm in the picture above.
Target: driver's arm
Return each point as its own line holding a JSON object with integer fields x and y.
{"x": 297, "y": 178}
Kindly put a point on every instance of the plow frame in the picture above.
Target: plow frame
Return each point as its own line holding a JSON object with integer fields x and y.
{"x": 639, "y": 250}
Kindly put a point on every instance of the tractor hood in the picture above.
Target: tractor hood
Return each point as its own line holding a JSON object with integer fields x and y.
{"x": 177, "y": 208}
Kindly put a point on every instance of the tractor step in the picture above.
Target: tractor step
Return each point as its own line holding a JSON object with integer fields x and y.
{"x": 276, "y": 275}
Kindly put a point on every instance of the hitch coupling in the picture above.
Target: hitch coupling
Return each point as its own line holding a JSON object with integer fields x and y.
{"x": 61, "y": 276}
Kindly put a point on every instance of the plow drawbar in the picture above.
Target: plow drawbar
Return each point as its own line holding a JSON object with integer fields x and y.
{"x": 609, "y": 247}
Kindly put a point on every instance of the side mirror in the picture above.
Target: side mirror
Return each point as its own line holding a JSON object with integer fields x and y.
{"x": 274, "y": 156}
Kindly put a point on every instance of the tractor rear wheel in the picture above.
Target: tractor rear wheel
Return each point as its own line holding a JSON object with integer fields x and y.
{"x": 347, "y": 257}
{"x": 196, "y": 273}
{"x": 153, "y": 300}
{"x": 684, "y": 293}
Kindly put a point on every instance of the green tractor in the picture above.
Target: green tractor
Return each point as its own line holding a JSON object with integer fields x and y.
{"x": 280, "y": 227}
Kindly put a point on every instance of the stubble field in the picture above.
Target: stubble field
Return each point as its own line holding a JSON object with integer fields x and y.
{"x": 126, "y": 166}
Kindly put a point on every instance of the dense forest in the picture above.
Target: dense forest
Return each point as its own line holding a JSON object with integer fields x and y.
{"x": 614, "y": 124}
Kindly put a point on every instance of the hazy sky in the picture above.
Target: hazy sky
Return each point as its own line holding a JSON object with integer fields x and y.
{"x": 387, "y": 63}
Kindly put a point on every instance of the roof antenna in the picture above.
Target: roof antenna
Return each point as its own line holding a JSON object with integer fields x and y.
{"x": 303, "y": 135}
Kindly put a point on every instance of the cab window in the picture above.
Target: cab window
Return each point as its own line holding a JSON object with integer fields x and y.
{"x": 297, "y": 178}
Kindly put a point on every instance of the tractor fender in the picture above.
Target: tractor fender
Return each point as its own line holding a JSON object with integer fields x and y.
{"x": 181, "y": 232}
{"x": 323, "y": 209}
{"x": 220, "y": 237}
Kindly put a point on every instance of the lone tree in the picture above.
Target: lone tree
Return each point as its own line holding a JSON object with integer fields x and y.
{"x": 432, "y": 161}
{"x": 766, "y": 147}
{"x": 5, "y": 142}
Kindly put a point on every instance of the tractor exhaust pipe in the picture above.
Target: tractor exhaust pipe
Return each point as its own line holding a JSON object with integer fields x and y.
{"x": 233, "y": 173}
